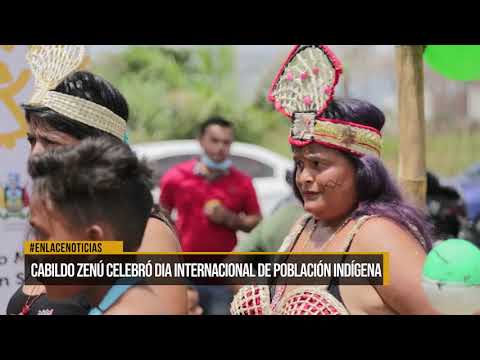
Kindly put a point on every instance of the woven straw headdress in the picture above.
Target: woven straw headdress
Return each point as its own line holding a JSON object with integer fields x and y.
{"x": 303, "y": 89}
{"x": 50, "y": 65}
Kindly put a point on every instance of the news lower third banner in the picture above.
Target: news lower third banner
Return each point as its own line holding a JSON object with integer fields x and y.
{"x": 105, "y": 263}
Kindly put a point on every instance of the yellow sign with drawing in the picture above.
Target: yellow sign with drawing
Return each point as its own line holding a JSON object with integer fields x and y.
{"x": 11, "y": 86}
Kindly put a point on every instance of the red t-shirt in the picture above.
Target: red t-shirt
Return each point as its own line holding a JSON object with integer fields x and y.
{"x": 187, "y": 192}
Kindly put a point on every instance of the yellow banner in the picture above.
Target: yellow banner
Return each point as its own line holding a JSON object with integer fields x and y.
{"x": 73, "y": 247}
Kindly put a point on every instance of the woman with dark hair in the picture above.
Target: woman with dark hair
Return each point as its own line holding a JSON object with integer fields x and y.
{"x": 352, "y": 202}
{"x": 67, "y": 107}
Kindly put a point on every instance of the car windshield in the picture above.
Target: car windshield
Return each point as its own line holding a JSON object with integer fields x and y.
{"x": 254, "y": 168}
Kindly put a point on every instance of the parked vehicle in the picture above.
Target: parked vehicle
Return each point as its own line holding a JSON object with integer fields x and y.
{"x": 267, "y": 169}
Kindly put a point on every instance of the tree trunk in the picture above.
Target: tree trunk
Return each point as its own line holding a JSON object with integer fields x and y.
{"x": 412, "y": 158}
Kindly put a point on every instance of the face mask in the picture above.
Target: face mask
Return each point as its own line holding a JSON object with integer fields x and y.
{"x": 209, "y": 163}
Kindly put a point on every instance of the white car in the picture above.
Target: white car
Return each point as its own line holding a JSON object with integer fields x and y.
{"x": 267, "y": 169}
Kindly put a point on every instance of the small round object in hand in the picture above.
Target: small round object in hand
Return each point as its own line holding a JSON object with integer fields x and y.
{"x": 211, "y": 204}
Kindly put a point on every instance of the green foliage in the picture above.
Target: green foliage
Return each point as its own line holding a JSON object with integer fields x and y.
{"x": 171, "y": 91}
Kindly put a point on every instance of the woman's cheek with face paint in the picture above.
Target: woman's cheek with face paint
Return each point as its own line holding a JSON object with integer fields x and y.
{"x": 336, "y": 196}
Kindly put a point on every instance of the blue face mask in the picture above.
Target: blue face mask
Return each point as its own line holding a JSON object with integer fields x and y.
{"x": 209, "y": 163}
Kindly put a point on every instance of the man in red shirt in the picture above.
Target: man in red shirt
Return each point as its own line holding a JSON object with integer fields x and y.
{"x": 213, "y": 199}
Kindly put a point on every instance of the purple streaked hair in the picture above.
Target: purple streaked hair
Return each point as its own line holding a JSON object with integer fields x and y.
{"x": 378, "y": 193}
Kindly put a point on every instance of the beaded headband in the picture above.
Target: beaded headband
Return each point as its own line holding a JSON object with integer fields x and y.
{"x": 302, "y": 91}
{"x": 50, "y": 65}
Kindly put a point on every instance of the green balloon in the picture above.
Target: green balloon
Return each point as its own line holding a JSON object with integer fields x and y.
{"x": 454, "y": 261}
{"x": 455, "y": 62}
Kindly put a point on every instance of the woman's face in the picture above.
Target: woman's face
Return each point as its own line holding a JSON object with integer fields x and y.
{"x": 41, "y": 138}
{"x": 326, "y": 180}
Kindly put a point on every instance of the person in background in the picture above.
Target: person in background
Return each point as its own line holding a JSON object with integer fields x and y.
{"x": 213, "y": 200}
